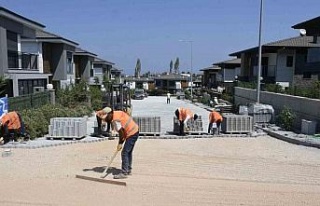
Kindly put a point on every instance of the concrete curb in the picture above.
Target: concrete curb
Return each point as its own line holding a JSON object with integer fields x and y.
{"x": 53, "y": 143}
{"x": 289, "y": 137}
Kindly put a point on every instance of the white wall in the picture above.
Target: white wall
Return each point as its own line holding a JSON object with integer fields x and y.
{"x": 284, "y": 73}
{"x": 302, "y": 107}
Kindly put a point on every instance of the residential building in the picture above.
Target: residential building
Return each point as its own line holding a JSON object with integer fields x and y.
{"x": 20, "y": 63}
{"x": 57, "y": 56}
{"x": 83, "y": 63}
{"x": 146, "y": 83}
{"x": 282, "y": 61}
{"x": 172, "y": 82}
{"x": 101, "y": 71}
{"x": 211, "y": 76}
{"x": 311, "y": 70}
{"x": 116, "y": 75}
{"x": 230, "y": 69}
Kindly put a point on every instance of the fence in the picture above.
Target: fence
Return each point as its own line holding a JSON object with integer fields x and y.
{"x": 29, "y": 101}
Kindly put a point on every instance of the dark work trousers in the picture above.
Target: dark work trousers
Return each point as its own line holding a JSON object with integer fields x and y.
{"x": 100, "y": 125}
{"x": 168, "y": 100}
{"x": 126, "y": 154}
{"x": 181, "y": 124}
{"x": 218, "y": 126}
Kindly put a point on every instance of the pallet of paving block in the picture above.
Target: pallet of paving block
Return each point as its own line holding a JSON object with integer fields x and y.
{"x": 187, "y": 133}
{"x": 196, "y": 133}
{"x": 145, "y": 134}
{"x": 64, "y": 137}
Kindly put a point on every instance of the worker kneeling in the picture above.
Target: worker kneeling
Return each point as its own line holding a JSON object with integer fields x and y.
{"x": 214, "y": 118}
{"x": 128, "y": 134}
{"x": 11, "y": 126}
{"x": 184, "y": 114}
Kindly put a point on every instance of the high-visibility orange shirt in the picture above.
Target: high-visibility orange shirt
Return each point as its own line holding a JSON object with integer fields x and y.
{"x": 127, "y": 123}
{"x": 12, "y": 120}
{"x": 184, "y": 113}
{"x": 214, "y": 117}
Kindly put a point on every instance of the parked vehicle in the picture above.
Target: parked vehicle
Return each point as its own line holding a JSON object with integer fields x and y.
{"x": 139, "y": 94}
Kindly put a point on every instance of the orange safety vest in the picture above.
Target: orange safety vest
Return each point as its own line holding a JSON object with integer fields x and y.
{"x": 214, "y": 117}
{"x": 12, "y": 120}
{"x": 183, "y": 113}
{"x": 127, "y": 123}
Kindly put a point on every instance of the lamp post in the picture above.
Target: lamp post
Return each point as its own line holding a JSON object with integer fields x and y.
{"x": 260, "y": 54}
{"x": 190, "y": 41}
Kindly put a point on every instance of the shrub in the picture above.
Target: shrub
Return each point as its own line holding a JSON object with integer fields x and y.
{"x": 286, "y": 118}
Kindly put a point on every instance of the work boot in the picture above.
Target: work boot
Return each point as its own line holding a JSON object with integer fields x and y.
{"x": 120, "y": 176}
{"x": 129, "y": 173}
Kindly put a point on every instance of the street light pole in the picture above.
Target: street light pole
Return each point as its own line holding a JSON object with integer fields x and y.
{"x": 190, "y": 41}
{"x": 260, "y": 54}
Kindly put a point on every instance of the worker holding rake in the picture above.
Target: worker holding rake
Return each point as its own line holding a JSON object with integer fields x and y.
{"x": 128, "y": 134}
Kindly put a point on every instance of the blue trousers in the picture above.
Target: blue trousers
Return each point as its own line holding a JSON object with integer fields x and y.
{"x": 126, "y": 154}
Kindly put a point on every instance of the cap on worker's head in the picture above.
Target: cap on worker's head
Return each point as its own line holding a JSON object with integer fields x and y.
{"x": 195, "y": 117}
{"x": 107, "y": 110}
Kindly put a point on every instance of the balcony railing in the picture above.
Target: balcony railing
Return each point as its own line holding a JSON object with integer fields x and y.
{"x": 22, "y": 60}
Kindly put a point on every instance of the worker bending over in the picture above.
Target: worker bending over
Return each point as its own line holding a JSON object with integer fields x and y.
{"x": 183, "y": 116}
{"x": 11, "y": 125}
{"x": 128, "y": 134}
{"x": 214, "y": 117}
{"x": 101, "y": 115}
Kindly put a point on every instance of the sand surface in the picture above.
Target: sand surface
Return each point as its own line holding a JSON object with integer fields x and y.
{"x": 217, "y": 171}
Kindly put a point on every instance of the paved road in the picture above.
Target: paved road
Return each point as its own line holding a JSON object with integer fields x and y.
{"x": 157, "y": 106}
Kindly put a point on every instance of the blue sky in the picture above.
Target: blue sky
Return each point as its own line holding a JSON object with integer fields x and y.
{"x": 121, "y": 31}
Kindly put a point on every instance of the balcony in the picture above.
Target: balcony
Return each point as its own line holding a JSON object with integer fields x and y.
{"x": 268, "y": 73}
{"x": 22, "y": 61}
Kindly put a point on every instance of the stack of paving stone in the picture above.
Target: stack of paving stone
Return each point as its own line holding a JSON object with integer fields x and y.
{"x": 192, "y": 126}
{"x": 262, "y": 113}
{"x": 148, "y": 125}
{"x": 233, "y": 123}
{"x": 67, "y": 128}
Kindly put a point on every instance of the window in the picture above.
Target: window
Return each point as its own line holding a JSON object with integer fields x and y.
{"x": 26, "y": 86}
{"x": 306, "y": 75}
{"x": 12, "y": 41}
{"x": 289, "y": 61}
{"x": 69, "y": 63}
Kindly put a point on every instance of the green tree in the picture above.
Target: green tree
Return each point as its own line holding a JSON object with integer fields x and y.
{"x": 171, "y": 66}
{"x": 138, "y": 68}
{"x": 176, "y": 66}
{"x": 3, "y": 85}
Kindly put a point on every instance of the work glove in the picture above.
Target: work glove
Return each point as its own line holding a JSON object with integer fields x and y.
{"x": 119, "y": 147}
{"x": 114, "y": 133}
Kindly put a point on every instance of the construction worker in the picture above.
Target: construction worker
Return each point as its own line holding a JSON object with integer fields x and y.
{"x": 168, "y": 97}
{"x": 101, "y": 115}
{"x": 128, "y": 134}
{"x": 215, "y": 118}
{"x": 183, "y": 116}
{"x": 11, "y": 125}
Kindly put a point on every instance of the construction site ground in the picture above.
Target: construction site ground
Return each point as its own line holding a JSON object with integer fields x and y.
{"x": 197, "y": 171}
